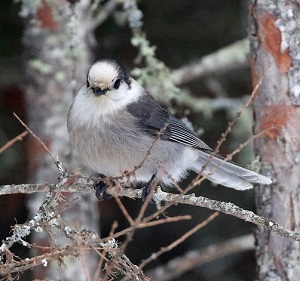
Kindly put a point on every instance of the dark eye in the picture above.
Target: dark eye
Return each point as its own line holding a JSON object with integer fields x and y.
{"x": 87, "y": 81}
{"x": 117, "y": 84}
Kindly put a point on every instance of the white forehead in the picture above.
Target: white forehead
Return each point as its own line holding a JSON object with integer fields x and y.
{"x": 103, "y": 72}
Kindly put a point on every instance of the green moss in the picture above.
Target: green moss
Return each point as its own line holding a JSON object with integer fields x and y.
{"x": 41, "y": 66}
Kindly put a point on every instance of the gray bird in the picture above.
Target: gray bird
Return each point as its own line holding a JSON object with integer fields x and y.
{"x": 119, "y": 129}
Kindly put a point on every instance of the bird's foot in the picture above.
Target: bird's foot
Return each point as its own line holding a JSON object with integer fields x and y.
{"x": 100, "y": 190}
{"x": 147, "y": 189}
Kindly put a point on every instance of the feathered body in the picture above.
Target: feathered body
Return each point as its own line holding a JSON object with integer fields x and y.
{"x": 118, "y": 127}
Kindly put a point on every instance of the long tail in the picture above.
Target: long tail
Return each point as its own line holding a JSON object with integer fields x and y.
{"x": 227, "y": 173}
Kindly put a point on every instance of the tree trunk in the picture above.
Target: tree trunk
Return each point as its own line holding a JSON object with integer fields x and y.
{"x": 56, "y": 62}
{"x": 274, "y": 39}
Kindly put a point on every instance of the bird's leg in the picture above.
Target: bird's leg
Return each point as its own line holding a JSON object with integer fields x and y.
{"x": 100, "y": 190}
{"x": 147, "y": 188}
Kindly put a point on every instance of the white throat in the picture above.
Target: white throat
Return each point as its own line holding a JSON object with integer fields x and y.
{"x": 89, "y": 108}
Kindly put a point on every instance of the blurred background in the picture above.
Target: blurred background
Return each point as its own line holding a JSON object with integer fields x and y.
{"x": 183, "y": 32}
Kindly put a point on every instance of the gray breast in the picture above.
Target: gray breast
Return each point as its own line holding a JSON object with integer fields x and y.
{"x": 114, "y": 145}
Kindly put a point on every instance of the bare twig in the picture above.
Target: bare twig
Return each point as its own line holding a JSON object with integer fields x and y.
{"x": 178, "y": 266}
{"x": 103, "y": 253}
{"x": 174, "y": 244}
{"x": 239, "y": 113}
{"x": 124, "y": 210}
{"x": 14, "y": 140}
{"x": 62, "y": 171}
{"x": 163, "y": 221}
{"x": 35, "y": 136}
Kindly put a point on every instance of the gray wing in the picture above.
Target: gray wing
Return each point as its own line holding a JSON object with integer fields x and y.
{"x": 152, "y": 119}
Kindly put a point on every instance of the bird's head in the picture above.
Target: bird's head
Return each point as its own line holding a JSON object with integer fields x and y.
{"x": 108, "y": 89}
{"x": 109, "y": 78}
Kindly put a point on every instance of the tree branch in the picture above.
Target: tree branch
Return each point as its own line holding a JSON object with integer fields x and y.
{"x": 159, "y": 197}
{"x": 232, "y": 56}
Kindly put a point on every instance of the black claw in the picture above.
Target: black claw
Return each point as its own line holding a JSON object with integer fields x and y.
{"x": 100, "y": 188}
{"x": 147, "y": 189}
{"x": 145, "y": 193}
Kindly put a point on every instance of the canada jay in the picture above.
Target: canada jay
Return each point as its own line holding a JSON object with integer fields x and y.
{"x": 119, "y": 129}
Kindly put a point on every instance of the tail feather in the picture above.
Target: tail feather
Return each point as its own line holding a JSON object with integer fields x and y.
{"x": 227, "y": 173}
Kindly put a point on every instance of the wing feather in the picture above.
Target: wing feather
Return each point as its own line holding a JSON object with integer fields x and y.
{"x": 152, "y": 119}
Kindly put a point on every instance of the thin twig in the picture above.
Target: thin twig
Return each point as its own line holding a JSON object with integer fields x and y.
{"x": 61, "y": 169}
{"x": 124, "y": 210}
{"x": 239, "y": 113}
{"x": 174, "y": 244}
{"x": 14, "y": 140}
{"x": 163, "y": 221}
{"x": 192, "y": 259}
{"x": 104, "y": 252}
{"x": 35, "y": 136}
{"x": 82, "y": 256}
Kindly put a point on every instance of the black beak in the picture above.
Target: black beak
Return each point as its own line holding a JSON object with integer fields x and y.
{"x": 98, "y": 92}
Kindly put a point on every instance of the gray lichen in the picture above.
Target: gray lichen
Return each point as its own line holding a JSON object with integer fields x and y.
{"x": 289, "y": 25}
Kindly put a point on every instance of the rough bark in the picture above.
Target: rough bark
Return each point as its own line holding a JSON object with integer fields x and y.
{"x": 56, "y": 59}
{"x": 274, "y": 40}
